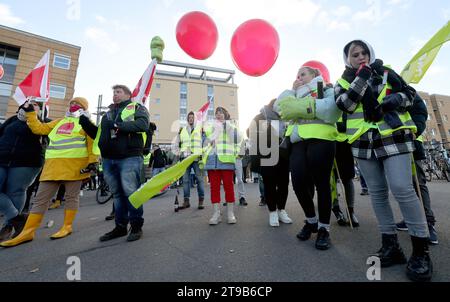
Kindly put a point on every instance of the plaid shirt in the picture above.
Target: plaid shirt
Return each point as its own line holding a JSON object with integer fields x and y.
{"x": 371, "y": 142}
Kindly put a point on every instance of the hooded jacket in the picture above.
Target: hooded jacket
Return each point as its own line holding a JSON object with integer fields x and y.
{"x": 19, "y": 147}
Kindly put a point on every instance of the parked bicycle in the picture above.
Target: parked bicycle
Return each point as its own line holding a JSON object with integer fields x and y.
{"x": 103, "y": 194}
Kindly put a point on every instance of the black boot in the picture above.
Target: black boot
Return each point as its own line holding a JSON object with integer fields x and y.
{"x": 420, "y": 267}
{"x": 18, "y": 223}
{"x": 135, "y": 233}
{"x": 307, "y": 230}
{"x": 118, "y": 231}
{"x": 390, "y": 253}
{"x": 323, "y": 239}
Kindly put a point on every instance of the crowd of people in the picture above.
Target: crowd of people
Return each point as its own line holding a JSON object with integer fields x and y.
{"x": 314, "y": 130}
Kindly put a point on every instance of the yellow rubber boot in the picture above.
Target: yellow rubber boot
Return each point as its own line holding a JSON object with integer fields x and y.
{"x": 66, "y": 230}
{"x": 27, "y": 234}
{"x": 55, "y": 205}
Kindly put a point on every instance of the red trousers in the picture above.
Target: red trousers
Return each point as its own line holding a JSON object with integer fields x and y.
{"x": 216, "y": 177}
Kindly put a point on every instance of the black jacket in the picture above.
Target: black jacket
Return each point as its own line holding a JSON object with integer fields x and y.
{"x": 256, "y": 133}
{"x": 19, "y": 147}
{"x": 128, "y": 141}
{"x": 158, "y": 159}
{"x": 419, "y": 115}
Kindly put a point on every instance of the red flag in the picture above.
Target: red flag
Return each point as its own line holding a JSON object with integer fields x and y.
{"x": 36, "y": 84}
{"x": 142, "y": 90}
{"x": 202, "y": 115}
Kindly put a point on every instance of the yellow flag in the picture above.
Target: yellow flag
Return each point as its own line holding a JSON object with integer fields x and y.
{"x": 418, "y": 66}
{"x": 160, "y": 182}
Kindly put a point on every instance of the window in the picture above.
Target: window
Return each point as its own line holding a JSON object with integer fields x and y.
{"x": 211, "y": 105}
{"x": 433, "y": 132}
{"x": 430, "y": 117}
{"x": 157, "y": 117}
{"x": 446, "y": 118}
{"x": 158, "y": 85}
{"x": 9, "y": 56}
{"x": 157, "y": 101}
{"x": 57, "y": 91}
{"x": 183, "y": 103}
{"x": 61, "y": 61}
{"x": 231, "y": 93}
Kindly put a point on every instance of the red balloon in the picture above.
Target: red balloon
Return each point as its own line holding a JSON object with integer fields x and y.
{"x": 2, "y": 72}
{"x": 255, "y": 47}
{"x": 197, "y": 35}
{"x": 321, "y": 67}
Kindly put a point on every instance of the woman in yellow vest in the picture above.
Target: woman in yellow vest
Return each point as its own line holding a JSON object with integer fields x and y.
{"x": 313, "y": 133}
{"x": 69, "y": 152}
{"x": 381, "y": 132}
{"x": 219, "y": 160}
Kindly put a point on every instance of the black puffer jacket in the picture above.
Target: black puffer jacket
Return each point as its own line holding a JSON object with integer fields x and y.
{"x": 19, "y": 147}
{"x": 419, "y": 115}
{"x": 128, "y": 141}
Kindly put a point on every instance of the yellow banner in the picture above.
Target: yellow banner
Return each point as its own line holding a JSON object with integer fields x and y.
{"x": 160, "y": 182}
{"x": 418, "y": 66}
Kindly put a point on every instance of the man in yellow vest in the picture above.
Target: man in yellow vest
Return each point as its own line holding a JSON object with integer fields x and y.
{"x": 191, "y": 141}
{"x": 120, "y": 139}
{"x": 67, "y": 156}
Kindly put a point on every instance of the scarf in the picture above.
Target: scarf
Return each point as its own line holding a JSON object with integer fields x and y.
{"x": 372, "y": 110}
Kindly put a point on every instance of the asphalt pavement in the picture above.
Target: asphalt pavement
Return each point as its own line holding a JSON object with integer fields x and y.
{"x": 182, "y": 247}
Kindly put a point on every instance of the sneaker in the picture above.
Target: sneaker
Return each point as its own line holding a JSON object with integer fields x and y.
{"x": 273, "y": 219}
{"x": 433, "y": 235}
{"x": 323, "y": 239}
{"x": 116, "y": 233}
{"x": 243, "y": 202}
{"x": 307, "y": 230}
{"x": 339, "y": 216}
{"x": 111, "y": 216}
{"x": 263, "y": 202}
{"x": 354, "y": 220}
{"x": 135, "y": 234}
{"x": 364, "y": 192}
{"x": 402, "y": 226}
{"x": 283, "y": 217}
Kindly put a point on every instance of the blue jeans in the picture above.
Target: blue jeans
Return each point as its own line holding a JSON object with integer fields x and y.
{"x": 394, "y": 172}
{"x": 156, "y": 171}
{"x": 14, "y": 183}
{"x": 124, "y": 178}
{"x": 187, "y": 183}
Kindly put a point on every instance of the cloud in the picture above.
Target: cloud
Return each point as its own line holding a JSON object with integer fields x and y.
{"x": 7, "y": 17}
{"x": 102, "y": 39}
{"x": 332, "y": 23}
{"x": 342, "y": 11}
{"x": 436, "y": 70}
{"x": 401, "y": 3}
{"x": 100, "y": 19}
{"x": 300, "y": 12}
{"x": 373, "y": 14}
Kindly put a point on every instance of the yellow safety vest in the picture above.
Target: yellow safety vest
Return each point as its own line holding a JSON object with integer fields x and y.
{"x": 147, "y": 159}
{"x": 357, "y": 126}
{"x": 66, "y": 140}
{"x": 127, "y": 115}
{"x": 341, "y": 137}
{"x": 191, "y": 142}
{"x": 420, "y": 139}
{"x": 315, "y": 128}
{"x": 225, "y": 147}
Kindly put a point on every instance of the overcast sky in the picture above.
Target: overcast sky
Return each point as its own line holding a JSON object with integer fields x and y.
{"x": 115, "y": 37}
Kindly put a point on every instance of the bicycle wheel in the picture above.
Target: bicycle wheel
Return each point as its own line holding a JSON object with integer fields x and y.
{"x": 446, "y": 174}
{"x": 103, "y": 195}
